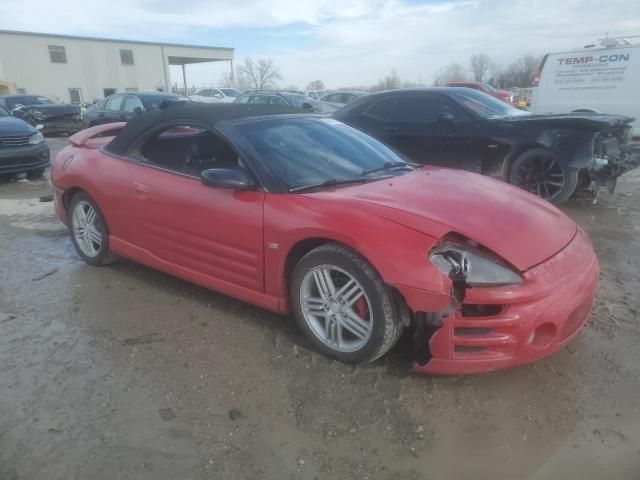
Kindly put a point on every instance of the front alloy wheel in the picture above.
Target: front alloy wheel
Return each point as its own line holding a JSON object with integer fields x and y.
{"x": 336, "y": 308}
{"x": 343, "y": 306}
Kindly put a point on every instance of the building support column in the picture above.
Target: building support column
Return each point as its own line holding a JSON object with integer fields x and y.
{"x": 184, "y": 78}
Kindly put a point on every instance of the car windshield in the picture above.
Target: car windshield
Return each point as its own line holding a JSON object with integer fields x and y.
{"x": 310, "y": 151}
{"x": 485, "y": 105}
{"x": 3, "y": 112}
{"x": 231, "y": 92}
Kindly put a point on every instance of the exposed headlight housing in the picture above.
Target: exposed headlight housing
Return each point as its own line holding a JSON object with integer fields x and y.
{"x": 36, "y": 138}
{"x": 466, "y": 261}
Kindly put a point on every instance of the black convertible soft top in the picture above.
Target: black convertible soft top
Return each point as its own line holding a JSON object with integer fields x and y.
{"x": 208, "y": 114}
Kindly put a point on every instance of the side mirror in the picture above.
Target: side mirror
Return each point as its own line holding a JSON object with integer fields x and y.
{"x": 235, "y": 179}
{"x": 447, "y": 120}
{"x": 307, "y": 106}
{"x": 137, "y": 110}
{"x": 218, "y": 96}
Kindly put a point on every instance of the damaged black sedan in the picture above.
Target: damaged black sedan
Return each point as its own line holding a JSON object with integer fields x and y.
{"x": 552, "y": 156}
{"x": 38, "y": 110}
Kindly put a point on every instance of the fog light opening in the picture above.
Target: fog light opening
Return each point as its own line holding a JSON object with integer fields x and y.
{"x": 543, "y": 335}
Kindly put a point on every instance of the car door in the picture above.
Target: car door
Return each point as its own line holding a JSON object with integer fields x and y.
{"x": 112, "y": 110}
{"x": 213, "y": 232}
{"x": 430, "y": 128}
{"x": 132, "y": 107}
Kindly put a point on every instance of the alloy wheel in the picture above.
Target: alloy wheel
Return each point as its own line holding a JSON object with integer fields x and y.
{"x": 86, "y": 229}
{"x": 336, "y": 308}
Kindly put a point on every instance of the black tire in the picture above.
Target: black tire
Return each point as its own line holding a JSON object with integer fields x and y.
{"x": 386, "y": 326}
{"x": 544, "y": 172}
{"x": 36, "y": 173}
{"x": 103, "y": 256}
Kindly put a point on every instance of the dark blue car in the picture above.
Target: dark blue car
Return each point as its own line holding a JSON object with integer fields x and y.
{"x": 22, "y": 147}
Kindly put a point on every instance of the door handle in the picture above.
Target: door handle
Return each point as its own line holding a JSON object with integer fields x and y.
{"x": 141, "y": 189}
{"x": 391, "y": 130}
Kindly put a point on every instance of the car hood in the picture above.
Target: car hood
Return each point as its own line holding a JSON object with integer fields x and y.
{"x": 51, "y": 110}
{"x": 518, "y": 226}
{"x": 10, "y": 126}
{"x": 592, "y": 122}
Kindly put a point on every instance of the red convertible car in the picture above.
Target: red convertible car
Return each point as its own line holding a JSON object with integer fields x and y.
{"x": 302, "y": 214}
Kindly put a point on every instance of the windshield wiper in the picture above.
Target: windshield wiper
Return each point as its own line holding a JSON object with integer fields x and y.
{"x": 331, "y": 182}
{"x": 388, "y": 166}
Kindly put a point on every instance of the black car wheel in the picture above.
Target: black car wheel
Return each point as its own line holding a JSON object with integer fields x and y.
{"x": 544, "y": 173}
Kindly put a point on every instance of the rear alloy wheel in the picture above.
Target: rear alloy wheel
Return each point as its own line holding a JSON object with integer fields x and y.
{"x": 89, "y": 231}
{"x": 543, "y": 173}
{"x": 342, "y": 305}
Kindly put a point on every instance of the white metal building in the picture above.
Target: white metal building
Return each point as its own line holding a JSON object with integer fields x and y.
{"x": 80, "y": 69}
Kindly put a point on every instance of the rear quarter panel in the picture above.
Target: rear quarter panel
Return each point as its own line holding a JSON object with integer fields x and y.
{"x": 104, "y": 178}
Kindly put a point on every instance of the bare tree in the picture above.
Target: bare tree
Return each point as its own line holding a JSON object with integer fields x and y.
{"x": 238, "y": 80}
{"x": 454, "y": 72}
{"x": 389, "y": 82}
{"x": 480, "y": 65}
{"x": 521, "y": 72}
{"x": 261, "y": 74}
{"x": 493, "y": 77}
{"x": 316, "y": 85}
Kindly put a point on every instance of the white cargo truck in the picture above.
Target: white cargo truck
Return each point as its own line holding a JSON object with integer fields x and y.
{"x": 602, "y": 78}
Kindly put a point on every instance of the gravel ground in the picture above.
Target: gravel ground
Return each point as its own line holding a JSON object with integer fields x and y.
{"x": 124, "y": 372}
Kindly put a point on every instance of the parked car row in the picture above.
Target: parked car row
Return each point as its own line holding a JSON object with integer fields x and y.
{"x": 304, "y": 214}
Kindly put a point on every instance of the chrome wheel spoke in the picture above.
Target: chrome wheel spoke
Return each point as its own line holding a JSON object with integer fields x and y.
{"x": 95, "y": 236}
{"x": 324, "y": 283}
{"x": 352, "y": 295}
{"x": 356, "y": 325}
{"x": 90, "y": 216}
{"x": 315, "y": 306}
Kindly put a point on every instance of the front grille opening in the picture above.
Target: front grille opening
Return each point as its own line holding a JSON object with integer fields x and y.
{"x": 467, "y": 349}
{"x": 468, "y": 331}
{"x": 480, "y": 310}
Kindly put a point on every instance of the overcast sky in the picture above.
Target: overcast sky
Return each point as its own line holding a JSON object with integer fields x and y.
{"x": 340, "y": 42}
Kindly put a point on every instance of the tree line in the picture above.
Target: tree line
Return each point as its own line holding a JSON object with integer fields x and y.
{"x": 264, "y": 74}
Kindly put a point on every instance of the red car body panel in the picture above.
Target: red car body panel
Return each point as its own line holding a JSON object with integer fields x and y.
{"x": 238, "y": 243}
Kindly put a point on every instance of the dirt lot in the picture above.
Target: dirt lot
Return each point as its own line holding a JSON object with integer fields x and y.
{"x": 124, "y": 372}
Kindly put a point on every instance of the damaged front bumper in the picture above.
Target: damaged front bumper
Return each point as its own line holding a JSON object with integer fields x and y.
{"x": 613, "y": 155}
{"x": 502, "y": 327}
